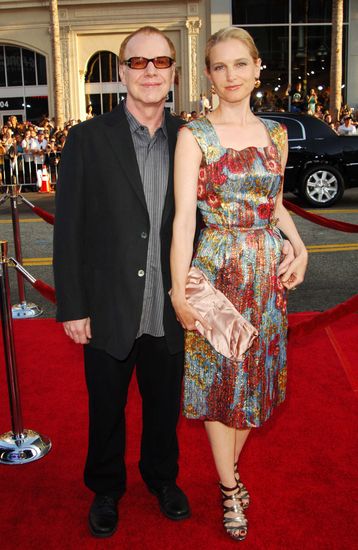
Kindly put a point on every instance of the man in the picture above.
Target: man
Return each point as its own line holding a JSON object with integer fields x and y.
{"x": 347, "y": 128}
{"x": 28, "y": 160}
{"x": 114, "y": 215}
{"x": 38, "y": 147}
{"x": 296, "y": 98}
{"x": 52, "y": 159}
{"x": 204, "y": 105}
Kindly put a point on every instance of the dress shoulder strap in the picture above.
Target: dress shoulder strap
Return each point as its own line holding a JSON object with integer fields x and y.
{"x": 206, "y": 137}
{"x": 278, "y": 133}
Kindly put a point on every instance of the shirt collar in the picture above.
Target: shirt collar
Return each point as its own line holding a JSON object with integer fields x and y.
{"x": 134, "y": 125}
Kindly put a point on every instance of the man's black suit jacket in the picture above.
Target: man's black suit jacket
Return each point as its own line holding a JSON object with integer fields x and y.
{"x": 99, "y": 250}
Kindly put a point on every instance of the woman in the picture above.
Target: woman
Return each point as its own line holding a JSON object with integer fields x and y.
{"x": 2, "y": 157}
{"x": 311, "y": 102}
{"x": 230, "y": 164}
{"x": 89, "y": 112}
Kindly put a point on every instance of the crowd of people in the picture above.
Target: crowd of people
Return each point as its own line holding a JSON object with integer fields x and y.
{"x": 25, "y": 147}
{"x": 311, "y": 102}
{"x": 345, "y": 125}
{"x": 38, "y": 145}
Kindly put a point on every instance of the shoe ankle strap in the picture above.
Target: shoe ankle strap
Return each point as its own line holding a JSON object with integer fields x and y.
{"x": 226, "y": 489}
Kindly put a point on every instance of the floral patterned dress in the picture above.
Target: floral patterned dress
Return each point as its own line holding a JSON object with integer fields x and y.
{"x": 239, "y": 250}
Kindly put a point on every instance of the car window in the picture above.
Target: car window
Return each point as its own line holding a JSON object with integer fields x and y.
{"x": 295, "y": 128}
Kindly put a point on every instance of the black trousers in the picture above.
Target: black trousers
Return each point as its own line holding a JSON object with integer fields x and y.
{"x": 159, "y": 376}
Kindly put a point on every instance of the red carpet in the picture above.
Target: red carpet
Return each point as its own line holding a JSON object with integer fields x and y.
{"x": 300, "y": 467}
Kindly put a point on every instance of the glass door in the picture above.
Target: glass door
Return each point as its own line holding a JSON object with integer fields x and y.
{"x": 4, "y": 116}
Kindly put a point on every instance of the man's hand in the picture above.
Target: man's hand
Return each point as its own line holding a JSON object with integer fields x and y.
{"x": 79, "y": 331}
{"x": 287, "y": 250}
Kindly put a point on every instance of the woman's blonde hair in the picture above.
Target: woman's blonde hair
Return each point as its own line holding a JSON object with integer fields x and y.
{"x": 226, "y": 34}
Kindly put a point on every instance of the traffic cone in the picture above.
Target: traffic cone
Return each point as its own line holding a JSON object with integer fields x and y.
{"x": 45, "y": 185}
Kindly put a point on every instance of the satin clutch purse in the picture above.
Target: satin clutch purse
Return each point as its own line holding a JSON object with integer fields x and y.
{"x": 231, "y": 334}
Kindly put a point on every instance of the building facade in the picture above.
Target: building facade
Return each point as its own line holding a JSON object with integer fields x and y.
{"x": 292, "y": 35}
{"x": 91, "y": 33}
{"x": 294, "y": 40}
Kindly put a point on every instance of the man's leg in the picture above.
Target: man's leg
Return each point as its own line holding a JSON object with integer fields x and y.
{"x": 107, "y": 383}
{"x": 159, "y": 377}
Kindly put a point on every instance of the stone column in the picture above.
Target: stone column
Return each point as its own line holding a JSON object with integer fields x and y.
{"x": 65, "y": 54}
{"x": 81, "y": 94}
{"x": 352, "y": 57}
{"x": 193, "y": 24}
{"x": 221, "y": 14}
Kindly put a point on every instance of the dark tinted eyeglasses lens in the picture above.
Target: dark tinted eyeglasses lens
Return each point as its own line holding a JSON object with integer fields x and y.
{"x": 162, "y": 62}
{"x": 137, "y": 62}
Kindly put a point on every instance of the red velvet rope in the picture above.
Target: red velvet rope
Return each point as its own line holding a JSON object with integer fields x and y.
{"x": 320, "y": 220}
{"x": 299, "y": 330}
{"x": 49, "y": 218}
{"x": 324, "y": 319}
{"x": 296, "y": 332}
{"x": 46, "y": 290}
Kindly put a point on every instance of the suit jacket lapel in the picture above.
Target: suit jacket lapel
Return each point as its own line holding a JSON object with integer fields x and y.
{"x": 120, "y": 140}
{"x": 172, "y": 129}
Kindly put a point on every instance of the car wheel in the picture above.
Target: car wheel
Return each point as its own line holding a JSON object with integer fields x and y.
{"x": 322, "y": 186}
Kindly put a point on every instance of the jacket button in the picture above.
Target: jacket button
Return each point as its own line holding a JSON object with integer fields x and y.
{"x": 144, "y": 235}
{"x": 141, "y": 273}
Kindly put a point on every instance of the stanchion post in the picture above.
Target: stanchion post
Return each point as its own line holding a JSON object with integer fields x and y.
{"x": 9, "y": 347}
{"x": 23, "y": 309}
{"x": 17, "y": 239}
{"x": 18, "y": 446}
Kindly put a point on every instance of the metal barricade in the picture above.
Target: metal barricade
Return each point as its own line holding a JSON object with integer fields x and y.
{"x": 25, "y": 170}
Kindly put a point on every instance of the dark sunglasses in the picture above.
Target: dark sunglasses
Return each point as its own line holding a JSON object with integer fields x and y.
{"x": 161, "y": 62}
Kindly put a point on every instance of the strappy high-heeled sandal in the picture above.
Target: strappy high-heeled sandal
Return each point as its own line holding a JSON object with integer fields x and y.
{"x": 235, "y": 522}
{"x": 244, "y": 493}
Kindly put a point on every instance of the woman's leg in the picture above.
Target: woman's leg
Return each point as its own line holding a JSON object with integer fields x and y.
{"x": 223, "y": 440}
{"x": 226, "y": 445}
{"x": 240, "y": 440}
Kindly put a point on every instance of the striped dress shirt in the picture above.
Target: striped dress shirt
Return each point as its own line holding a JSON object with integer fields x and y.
{"x": 153, "y": 161}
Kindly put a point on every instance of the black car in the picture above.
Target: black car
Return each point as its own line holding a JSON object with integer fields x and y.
{"x": 321, "y": 164}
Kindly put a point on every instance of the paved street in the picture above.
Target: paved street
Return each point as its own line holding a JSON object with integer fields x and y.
{"x": 333, "y": 256}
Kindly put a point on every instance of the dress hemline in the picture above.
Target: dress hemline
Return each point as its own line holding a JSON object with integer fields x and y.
{"x": 231, "y": 425}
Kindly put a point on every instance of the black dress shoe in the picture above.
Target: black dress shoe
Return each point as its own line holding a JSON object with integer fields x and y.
{"x": 172, "y": 501}
{"x": 103, "y": 516}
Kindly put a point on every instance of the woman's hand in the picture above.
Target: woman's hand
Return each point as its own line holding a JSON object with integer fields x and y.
{"x": 289, "y": 256}
{"x": 187, "y": 315}
{"x": 296, "y": 271}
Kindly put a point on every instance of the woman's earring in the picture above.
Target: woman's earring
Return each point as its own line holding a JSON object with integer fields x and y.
{"x": 257, "y": 83}
{"x": 212, "y": 89}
